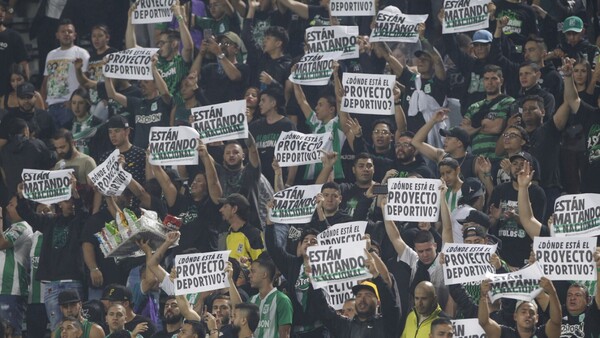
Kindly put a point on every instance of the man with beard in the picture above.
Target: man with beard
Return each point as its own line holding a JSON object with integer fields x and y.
{"x": 69, "y": 157}
{"x": 485, "y": 119}
{"x": 221, "y": 310}
{"x": 172, "y": 319}
{"x": 244, "y": 320}
{"x": 504, "y": 212}
{"x": 40, "y": 123}
{"x": 367, "y": 322}
{"x": 354, "y": 201}
{"x": 407, "y": 162}
{"x": 425, "y": 311}
{"x": 70, "y": 306}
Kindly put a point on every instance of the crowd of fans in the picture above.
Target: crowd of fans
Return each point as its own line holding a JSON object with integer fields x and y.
{"x": 507, "y": 117}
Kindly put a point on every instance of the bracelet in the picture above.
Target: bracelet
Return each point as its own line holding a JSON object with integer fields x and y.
{"x": 488, "y": 174}
{"x": 95, "y": 269}
{"x": 179, "y": 17}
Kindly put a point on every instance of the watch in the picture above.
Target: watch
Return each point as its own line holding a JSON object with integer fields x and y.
{"x": 221, "y": 56}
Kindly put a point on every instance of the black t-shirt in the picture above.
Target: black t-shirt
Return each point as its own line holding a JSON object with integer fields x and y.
{"x": 94, "y": 70}
{"x": 165, "y": 334}
{"x": 214, "y": 79}
{"x": 12, "y": 50}
{"x": 589, "y": 118}
{"x": 545, "y": 147}
{"x": 148, "y": 113}
{"x": 516, "y": 243}
{"x": 135, "y": 162}
{"x": 199, "y": 222}
{"x": 522, "y": 21}
{"x": 266, "y": 136}
{"x": 39, "y": 121}
{"x": 509, "y": 332}
{"x": 354, "y": 201}
{"x": 130, "y": 326}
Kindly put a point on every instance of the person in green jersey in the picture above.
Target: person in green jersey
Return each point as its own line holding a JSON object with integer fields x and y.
{"x": 450, "y": 172}
{"x": 70, "y": 307}
{"x": 71, "y": 328}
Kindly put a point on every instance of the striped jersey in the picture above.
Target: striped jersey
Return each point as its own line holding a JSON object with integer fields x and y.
{"x": 275, "y": 311}
{"x": 338, "y": 139}
{"x": 36, "y": 292}
{"x": 14, "y": 260}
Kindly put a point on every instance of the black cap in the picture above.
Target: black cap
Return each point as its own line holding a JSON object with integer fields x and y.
{"x": 471, "y": 188}
{"x": 459, "y": 133}
{"x": 478, "y": 217}
{"x": 117, "y": 293}
{"x": 474, "y": 230}
{"x": 419, "y": 53}
{"x": 68, "y": 297}
{"x": 235, "y": 199}
{"x": 117, "y": 121}
{"x": 25, "y": 90}
{"x": 524, "y": 155}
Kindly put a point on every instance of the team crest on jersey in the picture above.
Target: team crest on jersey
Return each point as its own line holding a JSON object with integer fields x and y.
{"x": 266, "y": 308}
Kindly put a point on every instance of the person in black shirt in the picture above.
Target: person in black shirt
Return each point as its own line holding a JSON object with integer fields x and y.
{"x": 172, "y": 319}
{"x": 120, "y": 295}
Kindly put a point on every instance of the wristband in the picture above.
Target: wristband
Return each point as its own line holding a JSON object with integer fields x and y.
{"x": 96, "y": 269}
{"x": 488, "y": 174}
{"x": 179, "y": 17}
{"x": 221, "y": 56}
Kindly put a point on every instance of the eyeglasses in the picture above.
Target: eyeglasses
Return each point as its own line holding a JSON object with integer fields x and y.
{"x": 404, "y": 145}
{"x": 511, "y": 135}
{"x": 226, "y": 43}
{"x": 381, "y": 132}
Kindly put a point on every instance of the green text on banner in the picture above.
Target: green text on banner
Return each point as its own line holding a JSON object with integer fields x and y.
{"x": 46, "y": 186}
{"x": 332, "y": 264}
{"x": 331, "y": 39}
{"x": 295, "y": 205}
{"x": 221, "y": 122}
{"x": 173, "y": 146}
{"x": 576, "y": 215}
{"x": 393, "y": 25}
{"x": 522, "y": 284}
{"x": 465, "y": 16}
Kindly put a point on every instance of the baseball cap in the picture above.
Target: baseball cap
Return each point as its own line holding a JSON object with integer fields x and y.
{"x": 478, "y": 217}
{"x": 474, "y": 230}
{"x": 366, "y": 285}
{"x": 572, "y": 24}
{"x": 524, "y": 155}
{"x": 482, "y": 36}
{"x": 25, "y": 90}
{"x": 235, "y": 199}
{"x": 235, "y": 39}
{"x": 117, "y": 293}
{"x": 117, "y": 121}
{"x": 419, "y": 53}
{"x": 459, "y": 133}
{"x": 471, "y": 188}
{"x": 68, "y": 297}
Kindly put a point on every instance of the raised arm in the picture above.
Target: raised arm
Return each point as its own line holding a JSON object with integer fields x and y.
{"x": 383, "y": 50}
{"x": 571, "y": 96}
{"x": 187, "y": 43}
{"x": 234, "y": 295}
{"x": 392, "y": 231}
{"x": 161, "y": 85}
{"x": 420, "y": 138}
{"x": 83, "y": 80}
{"x": 328, "y": 160}
{"x": 130, "y": 39}
{"x": 112, "y": 93}
{"x": 531, "y": 225}
{"x": 297, "y": 7}
{"x": 447, "y": 236}
{"x": 491, "y": 328}
{"x": 186, "y": 310}
{"x": 214, "y": 187}
{"x": 438, "y": 63}
{"x": 301, "y": 98}
{"x": 554, "y": 324}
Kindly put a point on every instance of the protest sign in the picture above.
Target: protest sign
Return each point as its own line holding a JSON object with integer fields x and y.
{"x": 393, "y": 25}
{"x": 368, "y": 94}
{"x": 467, "y": 328}
{"x": 332, "y": 264}
{"x": 522, "y": 284}
{"x": 338, "y": 293}
{"x": 465, "y": 16}
{"x": 413, "y": 200}
{"x": 343, "y": 233}
{"x": 109, "y": 177}
{"x": 294, "y": 148}
{"x": 153, "y": 11}
{"x": 221, "y": 122}
{"x": 328, "y": 39}
{"x": 467, "y": 262}
{"x": 46, "y": 186}
{"x": 173, "y": 146}
{"x": 566, "y": 258}
{"x": 576, "y": 215}
{"x": 130, "y": 64}
{"x": 314, "y": 69}
{"x": 295, "y": 205}
{"x": 201, "y": 272}
{"x": 352, "y": 7}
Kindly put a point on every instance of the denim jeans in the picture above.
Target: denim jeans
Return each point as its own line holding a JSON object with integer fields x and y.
{"x": 51, "y": 290}
{"x": 12, "y": 309}
{"x": 60, "y": 114}
{"x": 37, "y": 321}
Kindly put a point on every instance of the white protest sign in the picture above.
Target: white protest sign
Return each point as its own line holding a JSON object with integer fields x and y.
{"x": 370, "y": 94}
{"x": 576, "y": 215}
{"x": 332, "y": 264}
{"x": 173, "y": 146}
{"x": 393, "y": 25}
{"x": 295, "y": 205}
{"x": 109, "y": 177}
{"x": 294, "y": 148}
{"x": 46, "y": 186}
{"x": 467, "y": 262}
{"x": 522, "y": 284}
{"x": 327, "y": 39}
{"x": 221, "y": 122}
{"x": 413, "y": 200}
{"x": 467, "y": 328}
{"x": 201, "y": 272}
{"x": 339, "y": 293}
{"x": 153, "y": 11}
{"x": 465, "y": 16}
{"x": 130, "y": 64}
{"x": 343, "y": 233}
{"x": 352, "y": 7}
{"x": 566, "y": 258}
{"x": 314, "y": 69}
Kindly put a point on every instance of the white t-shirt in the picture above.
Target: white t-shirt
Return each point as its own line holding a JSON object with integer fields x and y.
{"x": 60, "y": 70}
{"x": 461, "y": 212}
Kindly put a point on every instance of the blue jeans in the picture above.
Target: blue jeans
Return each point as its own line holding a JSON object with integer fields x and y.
{"x": 37, "y": 321}
{"x": 52, "y": 289}
{"x": 12, "y": 309}
{"x": 60, "y": 114}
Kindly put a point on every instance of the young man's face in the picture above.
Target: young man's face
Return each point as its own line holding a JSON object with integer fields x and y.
{"x": 324, "y": 110}
{"x": 573, "y": 38}
{"x": 528, "y": 77}
{"x": 266, "y": 104}
{"x": 426, "y": 252}
{"x": 118, "y": 136}
{"x": 366, "y": 303}
{"x": 481, "y": 50}
{"x": 442, "y": 331}
{"x": 526, "y": 316}
{"x": 492, "y": 83}
{"x": 533, "y": 52}
{"x": 64, "y": 149}
{"x": 115, "y": 317}
{"x": 70, "y": 330}
{"x": 66, "y": 35}
{"x": 363, "y": 170}
{"x": 71, "y": 309}
{"x": 449, "y": 175}
{"x": 332, "y": 201}
{"x": 381, "y": 136}
{"x": 233, "y": 155}
{"x": 221, "y": 309}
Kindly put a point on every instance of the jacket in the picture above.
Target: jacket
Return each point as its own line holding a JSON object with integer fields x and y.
{"x": 413, "y": 329}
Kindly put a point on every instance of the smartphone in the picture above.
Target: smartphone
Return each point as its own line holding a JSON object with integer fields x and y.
{"x": 380, "y": 189}
{"x": 208, "y": 33}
